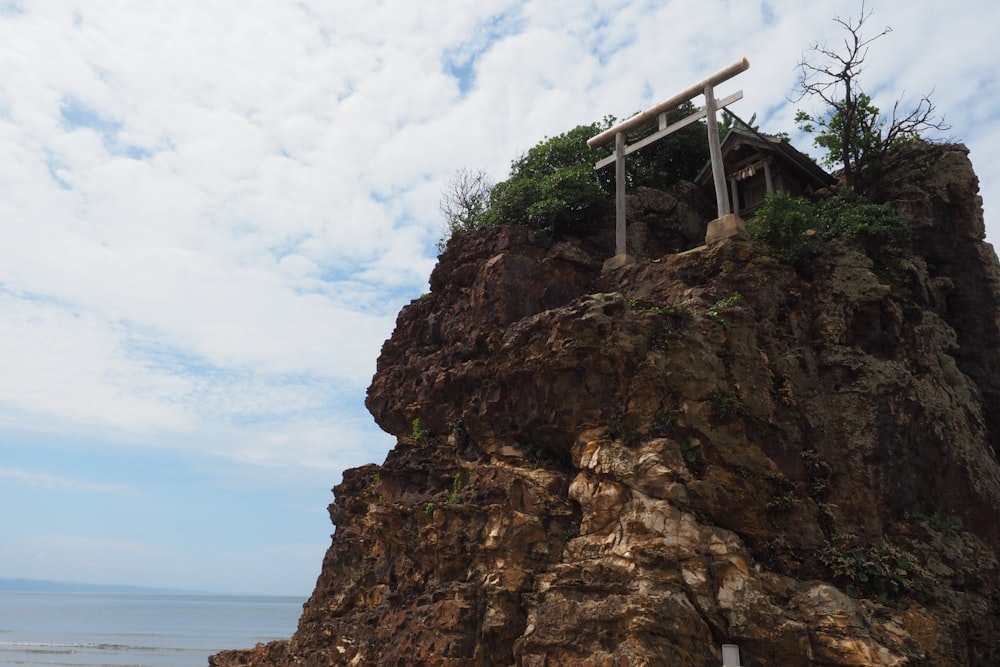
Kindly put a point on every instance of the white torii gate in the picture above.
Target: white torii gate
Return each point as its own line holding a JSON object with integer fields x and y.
{"x": 708, "y": 112}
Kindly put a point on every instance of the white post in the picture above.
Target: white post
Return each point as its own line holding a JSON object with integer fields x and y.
{"x": 730, "y": 655}
{"x": 715, "y": 152}
{"x": 620, "y": 194}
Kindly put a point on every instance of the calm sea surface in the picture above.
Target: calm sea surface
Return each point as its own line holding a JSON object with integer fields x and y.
{"x": 70, "y": 629}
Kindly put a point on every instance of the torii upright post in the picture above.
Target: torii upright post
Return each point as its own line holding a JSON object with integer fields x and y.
{"x": 731, "y": 224}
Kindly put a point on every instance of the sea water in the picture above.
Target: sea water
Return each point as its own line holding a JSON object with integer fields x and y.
{"x": 93, "y": 629}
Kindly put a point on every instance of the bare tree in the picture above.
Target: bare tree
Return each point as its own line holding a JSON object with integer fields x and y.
{"x": 854, "y": 132}
{"x": 465, "y": 200}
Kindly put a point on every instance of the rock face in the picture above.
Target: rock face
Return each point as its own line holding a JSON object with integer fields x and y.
{"x": 636, "y": 467}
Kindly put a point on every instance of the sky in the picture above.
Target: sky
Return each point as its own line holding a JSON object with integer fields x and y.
{"x": 212, "y": 211}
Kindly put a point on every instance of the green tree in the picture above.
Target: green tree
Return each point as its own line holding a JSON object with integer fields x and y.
{"x": 555, "y": 184}
{"x": 853, "y": 131}
{"x": 552, "y": 183}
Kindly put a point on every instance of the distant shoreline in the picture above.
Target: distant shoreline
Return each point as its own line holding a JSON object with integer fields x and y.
{"x": 45, "y": 586}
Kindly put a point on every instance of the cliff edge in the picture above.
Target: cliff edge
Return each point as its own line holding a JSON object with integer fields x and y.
{"x": 707, "y": 447}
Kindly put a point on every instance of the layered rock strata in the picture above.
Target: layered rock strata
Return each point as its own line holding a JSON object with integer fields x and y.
{"x": 706, "y": 447}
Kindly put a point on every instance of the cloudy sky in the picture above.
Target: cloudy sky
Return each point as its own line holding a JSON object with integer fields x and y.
{"x": 211, "y": 212}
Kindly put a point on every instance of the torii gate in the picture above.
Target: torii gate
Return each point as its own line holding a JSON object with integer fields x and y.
{"x": 730, "y": 222}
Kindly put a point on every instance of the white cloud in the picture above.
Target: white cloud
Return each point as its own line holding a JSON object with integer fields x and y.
{"x": 47, "y": 481}
{"x": 251, "y": 187}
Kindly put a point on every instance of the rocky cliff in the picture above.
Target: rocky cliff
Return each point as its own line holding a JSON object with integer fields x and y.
{"x": 637, "y": 466}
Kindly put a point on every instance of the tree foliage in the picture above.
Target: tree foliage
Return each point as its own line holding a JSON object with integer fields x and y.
{"x": 854, "y": 132}
{"x": 798, "y": 229}
{"x": 554, "y": 183}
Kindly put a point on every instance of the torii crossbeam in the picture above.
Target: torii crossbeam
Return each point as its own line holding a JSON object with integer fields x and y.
{"x": 708, "y": 112}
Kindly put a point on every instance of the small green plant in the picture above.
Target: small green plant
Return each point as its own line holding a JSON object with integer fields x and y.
{"x": 726, "y": 404}
{"x": 717, "y": 317}
{"x": 715, "y": 312}
{"x": 541, "y": 457}
{"x": 429, "y": 508}
{"x": 730, "y": 301}
{"x": 817, "y": 473}
{"x": 935, "y": 520}
{"x": 688, "y": 454}
{"x": 662, "y": 423}
{"x": 659, "y": 336}
{"x": 871, "y": 570}
{"x": 459, "y": 435}
{"x": 381, "y": 500}
{"x": 781, "y": 502}
{"x": 783, "y": 496}
{"x": 617, "y": 431}
{"x": 420, "y": 434}
{"x": 571, "y": 531}
{"x": 676, "y": 311}
{"x": 457, "y": 486}
{"x": 773, "y": 553}
{"x": 782, "y": 544}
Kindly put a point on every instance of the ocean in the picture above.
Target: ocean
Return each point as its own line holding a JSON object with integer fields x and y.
{"x": 94, "y": 629}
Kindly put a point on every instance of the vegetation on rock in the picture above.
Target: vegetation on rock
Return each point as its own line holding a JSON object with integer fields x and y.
{"x": 797, "y": 229}
{"x": 554, "y": 184}
{"x": 854, "y": 132}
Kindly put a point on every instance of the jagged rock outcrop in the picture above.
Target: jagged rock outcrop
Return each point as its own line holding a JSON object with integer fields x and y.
{"x": 632, "y": 468}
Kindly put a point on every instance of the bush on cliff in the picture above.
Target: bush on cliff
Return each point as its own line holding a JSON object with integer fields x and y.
{"x": 798, "y": 229}
{"x": 554, "y": 183}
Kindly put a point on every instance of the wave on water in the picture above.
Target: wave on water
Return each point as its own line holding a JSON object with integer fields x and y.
{"x": 42, "y": 647}
{"x": 88, "y": 630}
{"x": 42, "y": 654}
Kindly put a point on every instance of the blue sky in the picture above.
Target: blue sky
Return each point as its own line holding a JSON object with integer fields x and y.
{"x": 213, "y": 211}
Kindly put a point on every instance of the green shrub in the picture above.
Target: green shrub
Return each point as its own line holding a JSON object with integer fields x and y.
{"x": 788, "y": 225}
{"x": 722, "y": 304}
{"x": 540, "y": 457}
{"x": 420, "y": 434}
{"x": 617, "y": 430}
{"x": 818, "y": 473}
{"x": 872, "y": 570}
{"x": 797, "y": 229}
{"x": 875, "y": 226}
{"x": 554, "y": 183}
{"x": 726, "y": 404}
{"x": 662, "y": 423}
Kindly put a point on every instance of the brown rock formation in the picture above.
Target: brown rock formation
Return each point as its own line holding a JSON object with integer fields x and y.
{"x": 636, "y": 467}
